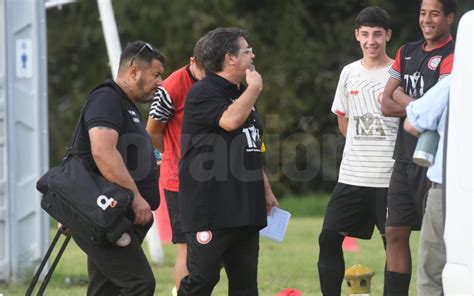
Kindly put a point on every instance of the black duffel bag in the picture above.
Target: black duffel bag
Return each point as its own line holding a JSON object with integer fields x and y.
{"x": 83, "y": 201}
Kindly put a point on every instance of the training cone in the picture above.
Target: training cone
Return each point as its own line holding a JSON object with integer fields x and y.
{"x": 350, "y": 244}
{"x": 289, "y": 292}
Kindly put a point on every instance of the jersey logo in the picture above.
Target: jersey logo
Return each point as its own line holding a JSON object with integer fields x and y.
{"x": 104, "y": 202}
{"x": 414, "y": 84}
{"x": 434, "y": 62}
{"x": 254, "y": 142}
{"x": 369, "y": 127}
{"x": 354, "y": 92}
{"x": 407, "y": 58}
{"x": 204, "y": 237}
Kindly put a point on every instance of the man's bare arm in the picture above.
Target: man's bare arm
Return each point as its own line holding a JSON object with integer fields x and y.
{"x": 342, "y": 124}
{"x": 410, "y": 129}
{"x": 389, "y": 106}
{"x": 236, "y": 114}
{"x": 112, "y": 167}
{"x": 401, "y": 98}
{"x": 156, "y": 129}
{"x": 270, "y": 198}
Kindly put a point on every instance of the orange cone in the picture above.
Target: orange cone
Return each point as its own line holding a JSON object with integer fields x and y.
{"x": 289, "y": 292}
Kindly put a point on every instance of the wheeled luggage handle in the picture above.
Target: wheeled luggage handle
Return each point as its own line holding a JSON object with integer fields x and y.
{"x": 46, "y": 279}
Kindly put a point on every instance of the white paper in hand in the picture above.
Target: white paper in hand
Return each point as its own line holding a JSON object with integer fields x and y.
{"x": 277, "y": 223}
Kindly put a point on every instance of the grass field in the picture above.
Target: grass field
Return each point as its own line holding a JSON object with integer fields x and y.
{"x": 291, "y": 264}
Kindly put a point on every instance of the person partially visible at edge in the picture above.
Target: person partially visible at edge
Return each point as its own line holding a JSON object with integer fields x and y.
{"x": 224, "y": 194}
{"x": 429, "y": 113}
{"x": 113, "y": 137}
{"x": 359, "y": 200}
{"x": 164, "y": 128}
{"x": 417, "y": 67}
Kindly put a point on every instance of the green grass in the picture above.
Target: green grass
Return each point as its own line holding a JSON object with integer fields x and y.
{"x": 291, "y": 264}
{"x": 313, "y": 205}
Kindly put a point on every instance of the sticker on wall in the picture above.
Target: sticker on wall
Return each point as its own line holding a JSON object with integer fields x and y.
{"x": 24, "y": 58}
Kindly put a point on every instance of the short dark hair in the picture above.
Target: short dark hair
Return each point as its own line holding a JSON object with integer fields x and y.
{"x": 373, "y": 16}
{"x": 197, "y": 53}
{"x": 140, "y": 52}
{"x": 217, "y": 44}
{"x": 448, "y": 6}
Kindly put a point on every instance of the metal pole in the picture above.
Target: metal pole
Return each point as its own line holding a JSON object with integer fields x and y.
{"x": 112, "y": 40}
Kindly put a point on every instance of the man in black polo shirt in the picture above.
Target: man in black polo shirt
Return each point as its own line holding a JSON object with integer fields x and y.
{"x": 113, "y": 137}
{"x": 224, "y": 193}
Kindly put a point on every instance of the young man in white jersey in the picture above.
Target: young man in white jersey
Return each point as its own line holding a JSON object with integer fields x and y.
{"x": 358, "y": 202}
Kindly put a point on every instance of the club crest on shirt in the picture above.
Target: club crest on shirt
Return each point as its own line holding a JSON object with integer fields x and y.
{"x": 434, "y": 62}
{"x": 204, "y": 237}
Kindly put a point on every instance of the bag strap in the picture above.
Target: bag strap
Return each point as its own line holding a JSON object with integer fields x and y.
{"x": 73, "y": 139}
{"x": 70, "y": 148}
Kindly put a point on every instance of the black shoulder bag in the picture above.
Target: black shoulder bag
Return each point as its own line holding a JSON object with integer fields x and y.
{"x": 83, "y": 201}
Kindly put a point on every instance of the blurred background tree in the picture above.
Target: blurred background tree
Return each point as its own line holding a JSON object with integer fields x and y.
{"x": 300, "y": 46}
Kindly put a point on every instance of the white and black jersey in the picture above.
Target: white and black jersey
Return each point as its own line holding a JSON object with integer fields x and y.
{"x": 418, "y": 70}
{"x": 370, "y": 140}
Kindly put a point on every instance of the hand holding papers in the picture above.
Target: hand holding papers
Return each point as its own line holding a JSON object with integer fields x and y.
{"x": 277, "y": 223}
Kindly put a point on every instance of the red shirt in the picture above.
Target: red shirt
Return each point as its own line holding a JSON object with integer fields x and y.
{"x": 176, "y": 87}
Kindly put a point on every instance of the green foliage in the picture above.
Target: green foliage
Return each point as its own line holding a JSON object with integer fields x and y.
{"x": 300, "y": 46}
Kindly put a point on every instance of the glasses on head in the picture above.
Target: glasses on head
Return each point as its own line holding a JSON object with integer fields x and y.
{"x": 247, "y": 50}
{"x": 146, "y": 45}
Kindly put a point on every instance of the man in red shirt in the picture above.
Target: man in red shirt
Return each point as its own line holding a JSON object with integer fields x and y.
{"x": 164, "y": 128}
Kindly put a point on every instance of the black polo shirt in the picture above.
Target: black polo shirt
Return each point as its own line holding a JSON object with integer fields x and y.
{"x": 107, "y": 105}
{"x": 221, "y": 177}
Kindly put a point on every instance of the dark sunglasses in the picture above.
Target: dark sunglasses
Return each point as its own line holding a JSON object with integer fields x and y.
{"x": 146, "y": 45}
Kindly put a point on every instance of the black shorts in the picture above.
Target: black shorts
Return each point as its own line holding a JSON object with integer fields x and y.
{"x": 355, "y": 210}
{"x": 172, "y": 202}
{"x": 406, "y": 195}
